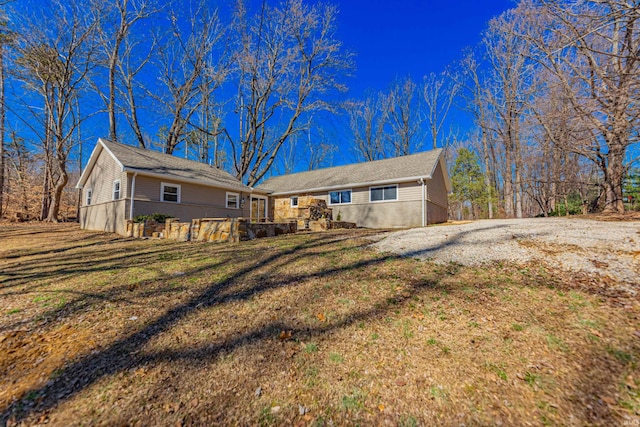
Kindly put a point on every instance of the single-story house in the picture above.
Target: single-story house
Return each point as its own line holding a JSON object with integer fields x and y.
{"x": 406, "y": 191}
{"x": 121, "y": 182}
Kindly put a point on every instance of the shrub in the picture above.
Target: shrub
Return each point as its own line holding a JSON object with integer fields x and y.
{"x": 157, "y": 217}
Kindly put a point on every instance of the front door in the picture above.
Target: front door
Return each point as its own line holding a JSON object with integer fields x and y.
{"x": 258, "y": 209}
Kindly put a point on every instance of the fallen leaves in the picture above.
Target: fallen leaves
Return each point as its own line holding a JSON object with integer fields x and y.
{"x": 285, "y": 335}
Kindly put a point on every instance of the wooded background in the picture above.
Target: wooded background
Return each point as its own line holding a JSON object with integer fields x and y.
{"x": 552, "y": 90}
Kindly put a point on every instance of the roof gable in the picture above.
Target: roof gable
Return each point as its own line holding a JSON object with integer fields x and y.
{"x": 393, "y": 170}
{"x": 152, "y": 163}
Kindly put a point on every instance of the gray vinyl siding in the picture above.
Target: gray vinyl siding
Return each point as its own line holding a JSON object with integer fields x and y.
{"x": 106, "y": 216}
{"x": 104, "y": 173}
{"x": 196, "y": 201}
{"x": 404, "y": 212}
{"x": 438, "y": 201}
{"x": 437, "y": 189}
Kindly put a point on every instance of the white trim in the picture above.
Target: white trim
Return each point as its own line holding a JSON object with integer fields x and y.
{"x": 88, "y": 196}
{"x": 424, "y": 202}
{"x": 383, "y": 199}
{"x": 226, "y": 200}
{"x": 113, "y": 190}
{"x": 340, "y": 191}
{"x": 266, "y": 206}
{"x": 297, "y": 201}
{"x": 170, "y": 184}
{"x": 93, "y": 158}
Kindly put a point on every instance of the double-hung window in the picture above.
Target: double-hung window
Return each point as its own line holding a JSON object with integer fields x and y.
{"x": 339, "y": 197}
{"x": 116, "y": 189}
{"x": 294, "y": 201}
{"x": 170, "y": 192}
{"x": 383, "y": 194}
{"x": 233, "y": 201}
{"x": 89, "y": 193}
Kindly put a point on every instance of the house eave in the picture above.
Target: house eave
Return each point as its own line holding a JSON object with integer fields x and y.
{"x": 93, "y": 158}
{"x": 142, "y": 172}
{"x": 352, "y": 185}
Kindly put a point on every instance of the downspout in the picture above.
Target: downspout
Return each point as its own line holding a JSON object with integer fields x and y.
{"x": 250, "y": 206}
{"x": 133, "y": 193}
{"x": 424, "y": 201}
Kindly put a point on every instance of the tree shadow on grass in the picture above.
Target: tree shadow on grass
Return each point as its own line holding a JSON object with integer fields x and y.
{"x": 128, "y": 352}
{"x": 120, "y": 354}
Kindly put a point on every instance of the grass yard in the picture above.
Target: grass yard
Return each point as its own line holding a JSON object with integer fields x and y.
{"x": 313, "y": 329}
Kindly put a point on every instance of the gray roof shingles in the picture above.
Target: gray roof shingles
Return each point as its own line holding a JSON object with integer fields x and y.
{"x": 397, "y": 168}
{"x": 152, "y": 162}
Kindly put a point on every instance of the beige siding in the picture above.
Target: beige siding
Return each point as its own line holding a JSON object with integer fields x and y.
{"x": 107, "y": 216}
{"x": 404, "y": 212}
{"x": 410, "y": 191}
{"x": 103, "y": 174}
{"x": 436, "y": 214}
{"x": 196, "y": 201}
{"x": 436, "y": 188}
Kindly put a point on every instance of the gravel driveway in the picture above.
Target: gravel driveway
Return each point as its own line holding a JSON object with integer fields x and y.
{"x": 607, "y": 248}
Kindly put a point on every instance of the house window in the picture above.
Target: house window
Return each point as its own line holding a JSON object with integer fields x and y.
{"x": 294, "y": 202}
{"x": 233, "y": 201}
{"x": 170, "y": 192}
{"x": 89, "y": 195}
{"x": 116, "y": 189}
{"x": 339, "y": 197}
{"x": 383, "y": 194}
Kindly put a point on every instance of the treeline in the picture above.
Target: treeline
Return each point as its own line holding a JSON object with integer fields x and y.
{"x": 552, "y": 90}
{"x": 228, "y": 88}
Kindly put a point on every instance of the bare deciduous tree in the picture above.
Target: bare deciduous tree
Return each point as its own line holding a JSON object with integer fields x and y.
{"x": 55, "y": 57}
{"x": 476, "y": 100}
{"x": 116, "y": 18}
{"x": 404, "y": 117}
{"x": 368, "y": 120}
{"x": 592, "y": 47}
{"x": 438, "y": 91}
{"x": 507, "y": 99}
{"x": 183, "y": 60}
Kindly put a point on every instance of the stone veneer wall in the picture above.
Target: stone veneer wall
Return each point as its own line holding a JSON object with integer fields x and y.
{"x": 210, "y": 230}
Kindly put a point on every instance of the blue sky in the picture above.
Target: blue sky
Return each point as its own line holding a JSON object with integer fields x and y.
{"x": 409, "y": 37}
{"x": 390, "y": 39}
{"x": 405, "y": 38}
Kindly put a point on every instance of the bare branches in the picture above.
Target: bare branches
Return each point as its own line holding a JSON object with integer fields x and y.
{"x": 287, "y": 59}
{"x": 439, "y": 92}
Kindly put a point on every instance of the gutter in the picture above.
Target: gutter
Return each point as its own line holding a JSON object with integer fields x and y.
{"x": 424, "y": 201}
{"x": 133, "y": 193}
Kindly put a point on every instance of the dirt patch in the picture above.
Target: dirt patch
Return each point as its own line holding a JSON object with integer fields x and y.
{"x": 28, "y": 359}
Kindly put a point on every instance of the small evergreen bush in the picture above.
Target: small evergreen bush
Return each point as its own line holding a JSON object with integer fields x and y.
{"x": 157, "y": 217}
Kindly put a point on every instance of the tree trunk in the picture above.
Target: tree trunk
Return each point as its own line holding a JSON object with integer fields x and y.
{"x": 508, "y": 183}
{"x": 54, "y": 209}
{"x": 614, "y": 176}
{"x": 2, "y": 120}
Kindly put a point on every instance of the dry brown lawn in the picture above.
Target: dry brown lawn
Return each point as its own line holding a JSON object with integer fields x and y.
{"x": 314, "y": 329}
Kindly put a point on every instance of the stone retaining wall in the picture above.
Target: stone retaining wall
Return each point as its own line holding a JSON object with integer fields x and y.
{"x": 210, "y": 229}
